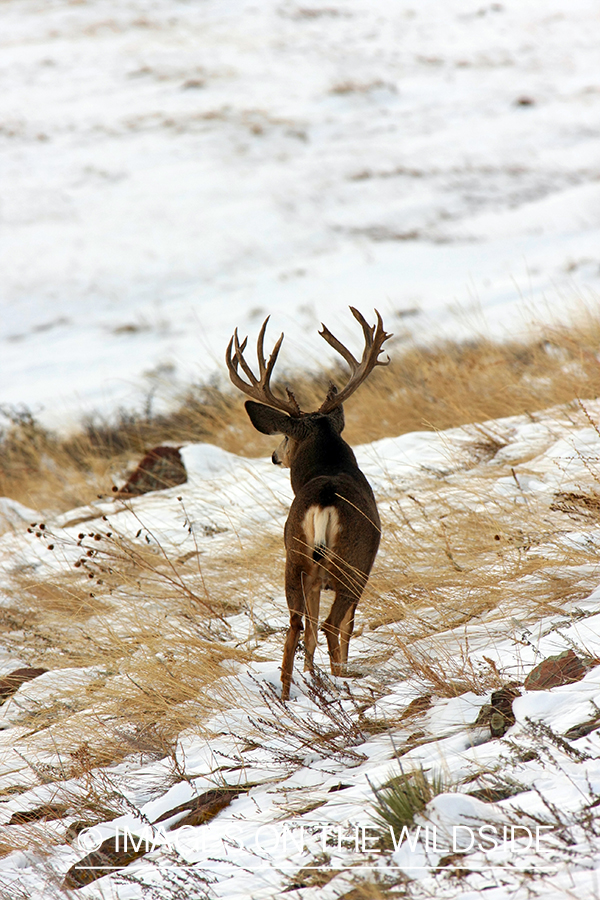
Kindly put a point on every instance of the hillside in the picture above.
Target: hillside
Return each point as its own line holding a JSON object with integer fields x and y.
{"x": 172, "y": 170}
{"x": 160, "y": 623}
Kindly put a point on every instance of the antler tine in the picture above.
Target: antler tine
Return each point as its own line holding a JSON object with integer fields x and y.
{"x": 337, "y": 345}
{"x": 239, "y": 360}
{"x": 368, "y": 330}
{"x": 272, "y": 360}
{"x": 375, "y": 337}
{"x": 258, "y": 388}
{"x": 232, "y": 360}
{"x": 260, "y": 351}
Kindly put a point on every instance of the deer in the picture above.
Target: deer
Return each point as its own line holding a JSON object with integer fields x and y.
{"x": 333, "y": 528}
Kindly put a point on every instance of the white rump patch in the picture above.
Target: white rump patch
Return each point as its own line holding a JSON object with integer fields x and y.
{"x": 321, "y": 526}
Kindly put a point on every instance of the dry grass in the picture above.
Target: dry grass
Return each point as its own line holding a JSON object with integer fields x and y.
{"x": 366, "y": 889}
{"x": 141, "y": 655}
{"x": 440, "y": 555}
{"x": 454, "y": 554}
{"x": 51, "y": 473}
{"x": 152, "y": 639}
{"x": 448, "y": 385}
{"x": 154, "y": 628}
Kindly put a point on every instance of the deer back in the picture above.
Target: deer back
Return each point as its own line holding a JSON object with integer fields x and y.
{"x": 333, "y": 519}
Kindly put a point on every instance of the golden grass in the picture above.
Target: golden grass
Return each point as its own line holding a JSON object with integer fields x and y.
{"x": 156, "y": 628}
{"x": 443, "y": 386}
{"x": 454, "y": 554}
{"x": 157, "y": 640}
{"x": 466, "y": 562}
{"x": 365, "y": 889}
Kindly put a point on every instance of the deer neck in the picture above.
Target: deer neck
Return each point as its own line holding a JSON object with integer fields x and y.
{"x": 322, "y": 453}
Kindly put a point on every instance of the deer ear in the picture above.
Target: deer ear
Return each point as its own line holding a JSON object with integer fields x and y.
{"x": 265, "y": 419}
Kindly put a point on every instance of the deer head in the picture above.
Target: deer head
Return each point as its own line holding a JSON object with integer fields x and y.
{"x": 272, "y": 414}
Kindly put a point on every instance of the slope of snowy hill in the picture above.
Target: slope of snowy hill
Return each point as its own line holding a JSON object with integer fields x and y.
{"x": 488, "y": 568}
{"x": 173, "y": 169}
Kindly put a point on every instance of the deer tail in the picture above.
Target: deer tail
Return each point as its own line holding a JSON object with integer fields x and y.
{"x": 326, "y": 526}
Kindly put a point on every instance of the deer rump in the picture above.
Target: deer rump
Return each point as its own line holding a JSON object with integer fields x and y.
{"x": 321, "y": 537}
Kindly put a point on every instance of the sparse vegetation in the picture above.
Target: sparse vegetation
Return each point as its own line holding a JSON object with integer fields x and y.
{"x": 424, "y": 388}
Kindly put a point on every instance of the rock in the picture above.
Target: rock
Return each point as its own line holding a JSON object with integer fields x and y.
{"x": 11, "y": 683}
{"x": 498, "y": 713}
{"x": 502, "y": 715}
{"x": 565, "y": 668}
{"x": 161, "y": 467}
{"x": 108, "y": 858}
{"x": 48, "y": 812}
{"x": 114, "y": 854}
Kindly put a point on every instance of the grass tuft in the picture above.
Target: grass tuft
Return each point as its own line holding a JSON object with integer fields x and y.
{"x": 402, "y": 798}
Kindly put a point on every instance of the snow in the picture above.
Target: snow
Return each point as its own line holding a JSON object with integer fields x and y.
{"x": 172, "y": 169}
{"x": 14, "y": 515}
{"x": 307, "y": 795}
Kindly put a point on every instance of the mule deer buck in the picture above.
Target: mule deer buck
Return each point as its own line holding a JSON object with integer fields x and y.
{"x": 333, "y": 529}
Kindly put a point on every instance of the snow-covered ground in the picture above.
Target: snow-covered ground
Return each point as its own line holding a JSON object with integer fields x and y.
{"x": 170, "y": 169}
{"x": 305, "y": 769}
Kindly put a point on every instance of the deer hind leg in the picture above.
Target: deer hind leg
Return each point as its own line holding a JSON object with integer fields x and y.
{"x": 312, "y": 598}
{"x": 346, "y": 629}
{"x": 299, "y": 595}
{"x": 289, "y": 650}
{"x": 341, "y": 614}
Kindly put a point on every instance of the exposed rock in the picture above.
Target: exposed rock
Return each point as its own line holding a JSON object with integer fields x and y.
{"x": 48, "y": 812}
{"x": 502, "y": 715}
{"x": 161, "y": 467}
{"x": 10, "y": 684}
{"x": 115, "y": 854}
{"x": 565, "y": 668}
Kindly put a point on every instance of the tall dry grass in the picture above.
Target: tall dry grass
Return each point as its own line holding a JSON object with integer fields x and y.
{"x": 449, "y": 384}
{"x": 152, "y": 628}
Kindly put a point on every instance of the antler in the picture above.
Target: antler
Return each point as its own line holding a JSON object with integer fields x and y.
{"x": 258, "y": 388}
{"x": 375, "y": 337}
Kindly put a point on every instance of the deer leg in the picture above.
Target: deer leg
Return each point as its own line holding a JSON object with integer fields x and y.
{"x": 296, "y": 601}
{"x": 342, "y": 607}
{"x": 312, "y": 598}
{"x": 289, "y": 650}
{"x": 346, "y": 629}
